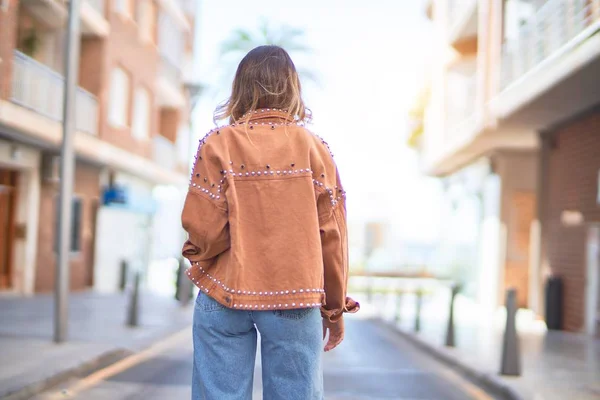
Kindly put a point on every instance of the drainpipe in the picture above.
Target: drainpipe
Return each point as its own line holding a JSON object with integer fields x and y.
{"x": 545, "y": 142}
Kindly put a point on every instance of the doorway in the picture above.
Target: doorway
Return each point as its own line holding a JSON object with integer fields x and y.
{"x": 91, "y": 244}
{"x": 516, "y": 272}
{"x": 8, "y": 183}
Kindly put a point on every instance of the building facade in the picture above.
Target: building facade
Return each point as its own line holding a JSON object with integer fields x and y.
{"x": 132, "y": 113}
{"x": 511, "y": 124}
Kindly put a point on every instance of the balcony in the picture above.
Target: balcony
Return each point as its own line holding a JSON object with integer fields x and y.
{"x": 453, "y": 128}
{"x": 462, "y": 20}
{"x": 557, "y": 26}
{"x": 176, "y": 9}
{"x": 93, "y": 18}
{"x": 166, "y": 154}
{"x": 550, "y": 65}
{"x": 39, "y": 88}
{"x": 170, "y": 46}
{"x": 169, "y": 85}
{"x": 54, "y": 14}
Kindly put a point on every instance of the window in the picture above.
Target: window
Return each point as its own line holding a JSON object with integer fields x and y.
{"x": 170, "y": 40}
{"x": 118, "y": 109}
{"x": 147, "y": 15}
{"x": 76, "y": 222}
{"x": 141, "y": 114}
{"x": 125, "y": 7}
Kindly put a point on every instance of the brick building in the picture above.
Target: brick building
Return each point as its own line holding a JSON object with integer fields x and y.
{"x": 131, "y": 120}
{"x": 511, "y": 124}
{"x": 571, "y": 215}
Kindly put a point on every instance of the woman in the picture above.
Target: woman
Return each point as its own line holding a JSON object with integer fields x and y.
{"x": 266, "y": 219}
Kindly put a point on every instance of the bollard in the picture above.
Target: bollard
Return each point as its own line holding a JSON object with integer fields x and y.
{"x": 184, "y": 290}
{"x": 398, "y": 306}
{"x": 455, "y": 288}
{"x": 178, "y": 278}
{"x": 123, "y": 276}
{"x": 418, "y": 305}
{"x": 511, "y": 357}
{"x": 369, "y": 290}
{"x": 133, "y": 309}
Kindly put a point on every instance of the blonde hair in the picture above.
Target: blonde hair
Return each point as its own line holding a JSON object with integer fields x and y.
{"x": 265, "y": 78}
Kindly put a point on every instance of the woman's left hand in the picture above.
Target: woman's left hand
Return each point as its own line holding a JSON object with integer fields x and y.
{"x": 336, "y": 333}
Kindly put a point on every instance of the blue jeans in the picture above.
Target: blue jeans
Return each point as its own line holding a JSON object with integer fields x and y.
{"x": 225, "y": 343}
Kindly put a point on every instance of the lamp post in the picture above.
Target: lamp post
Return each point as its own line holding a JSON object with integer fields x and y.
{"x": 184, "y": 286}
{"x": 194, "y": 91}
{"x": 67, "y": 164}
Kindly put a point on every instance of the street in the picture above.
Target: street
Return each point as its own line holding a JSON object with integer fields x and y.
{"x": 372, "y": 363}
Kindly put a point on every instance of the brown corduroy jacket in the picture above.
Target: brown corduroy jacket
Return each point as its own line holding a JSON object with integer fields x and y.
{"x": 266, "y": 218}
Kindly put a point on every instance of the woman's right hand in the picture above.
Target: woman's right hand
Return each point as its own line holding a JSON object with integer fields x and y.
{"x": 336, "y": 333}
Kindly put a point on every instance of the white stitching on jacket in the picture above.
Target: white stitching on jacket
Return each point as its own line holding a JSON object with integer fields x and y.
{"x": 253, "y": 293}
{"x": 334, "y": 197}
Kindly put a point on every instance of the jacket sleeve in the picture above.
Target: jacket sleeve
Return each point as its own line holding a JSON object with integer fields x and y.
{"x": 205, "y": 211}
{"x": 334, "y": 243}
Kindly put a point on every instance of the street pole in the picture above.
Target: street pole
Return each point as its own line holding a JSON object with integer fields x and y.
{"x": 67, "y": 161}
{"x": 194, "y": 90}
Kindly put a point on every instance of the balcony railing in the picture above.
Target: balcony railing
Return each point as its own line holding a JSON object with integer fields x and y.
{"x": 54, "y": 12}
{"x": 39, "y": 88}
{"x": 546, "y": 32}
{"x": 166, "y": 153}
{"x": 170, "y": 40}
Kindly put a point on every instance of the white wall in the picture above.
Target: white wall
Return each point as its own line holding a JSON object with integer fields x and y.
{"x": 464, "y": 225}
{"x": 134, "y": 234}
{"x": 168, "y": 234}
{"x": 120, "y": 235}
{"x": 492, "y": 244}
{"x": 123, "y": 233}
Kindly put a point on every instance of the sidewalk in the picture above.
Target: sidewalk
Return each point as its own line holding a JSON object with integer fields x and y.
{"x": 97, "y": 336}
{"x": 555, "y": 365}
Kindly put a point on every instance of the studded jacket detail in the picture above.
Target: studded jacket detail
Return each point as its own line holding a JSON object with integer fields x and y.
{"x": 266, "y": 218}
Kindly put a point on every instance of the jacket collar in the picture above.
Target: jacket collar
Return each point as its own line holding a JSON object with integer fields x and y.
{"x": 267, "y": 114}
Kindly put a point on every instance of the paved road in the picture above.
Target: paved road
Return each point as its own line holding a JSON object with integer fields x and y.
{"x": 373, "y": 363}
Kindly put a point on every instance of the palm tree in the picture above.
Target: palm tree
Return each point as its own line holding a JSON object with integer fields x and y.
{"x": 241, "y": 41}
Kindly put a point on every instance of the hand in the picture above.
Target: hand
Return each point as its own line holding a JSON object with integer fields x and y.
{"x": 336, "y": 333}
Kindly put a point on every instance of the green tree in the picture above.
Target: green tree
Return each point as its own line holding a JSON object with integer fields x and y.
{"x": 241, "y": 41}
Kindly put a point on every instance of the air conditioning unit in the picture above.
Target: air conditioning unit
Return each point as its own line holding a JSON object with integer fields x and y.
{"x": 50, "y": 168}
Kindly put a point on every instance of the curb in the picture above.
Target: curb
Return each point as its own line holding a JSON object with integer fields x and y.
{"x": 487, "y": 380}
{"x": 85, "y": 368}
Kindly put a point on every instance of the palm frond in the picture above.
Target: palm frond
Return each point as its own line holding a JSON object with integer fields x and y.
{"x": 290, "y": 34}
{"x": 292, "y": 39}
{"x": 239, "y": 40}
